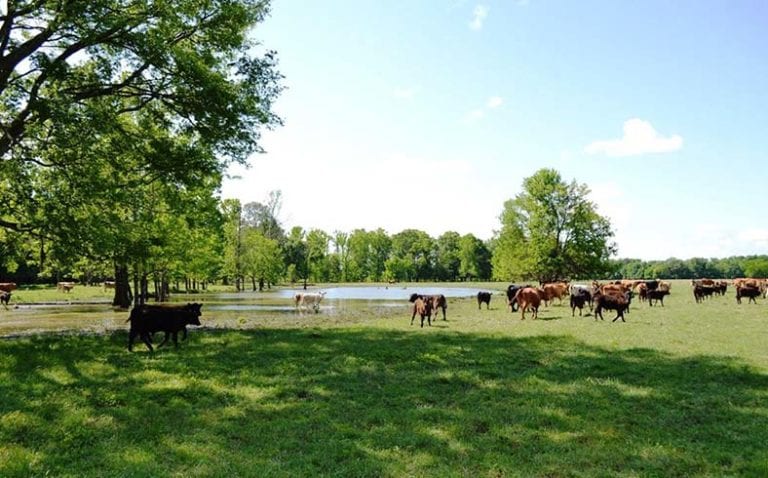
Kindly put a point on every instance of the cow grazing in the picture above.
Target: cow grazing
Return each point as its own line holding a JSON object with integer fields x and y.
{"x": 484, "y": 298}
{"x": 657, "y": 295}
{"x": 579, "y": 297}
{"x": 529, "y": 297}
{"x": 438, "y": 302}
{"x": 109, "y": 284}
{"x": 305, "y": 301}
{"x": 617, "y": 302}
{"x": 424, "y": 309}
{"x": 147, "y": 319}
{"x": 747, "y": 291}
{"x": 65, "y": 286}
{"x": 5, "y": 297}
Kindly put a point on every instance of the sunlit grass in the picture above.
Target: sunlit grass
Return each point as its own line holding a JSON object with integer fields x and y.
{"x": 675, "y": 391}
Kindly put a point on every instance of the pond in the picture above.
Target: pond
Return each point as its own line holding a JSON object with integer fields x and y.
{"x": 356, "y": 293}
{"x": 276, "y": 307}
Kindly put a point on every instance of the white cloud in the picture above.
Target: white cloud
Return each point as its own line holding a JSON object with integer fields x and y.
{"x": 494, "y": 102}
{"x": 479, "y": 15}
{"x": 640, "y": 137}
{"x": 404, "y": 93}
{"x": 479, "y": 113}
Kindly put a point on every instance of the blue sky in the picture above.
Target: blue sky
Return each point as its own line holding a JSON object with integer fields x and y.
{"x": 429, "y": 114}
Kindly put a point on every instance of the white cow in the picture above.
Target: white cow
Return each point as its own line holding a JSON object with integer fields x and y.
{"x": 306, "y": 300}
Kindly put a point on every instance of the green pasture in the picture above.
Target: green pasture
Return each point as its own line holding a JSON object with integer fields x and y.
{"x": 675, "y": 391}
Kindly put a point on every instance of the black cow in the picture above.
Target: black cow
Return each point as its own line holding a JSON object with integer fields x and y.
{"x": 5, "y": 297}
{"x": 702, "y": 291}
{"x": 579, "y": 297}
{"x": 484, "y": 298}
{"x": 617, "y": 302}
{"x": 171, "y": 319}
{"x": 511, "y": 293}
{"x": 651, "y": 284}
{"x": 747, "y": 291}
{"x": 657, "y": 295}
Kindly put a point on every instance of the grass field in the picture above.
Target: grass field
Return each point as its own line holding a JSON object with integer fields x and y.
{"x": 675, "y": 391}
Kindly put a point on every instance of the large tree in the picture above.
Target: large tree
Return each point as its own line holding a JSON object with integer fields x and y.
{"x": 551, "y": 230}
{"x": 101, "y": 98}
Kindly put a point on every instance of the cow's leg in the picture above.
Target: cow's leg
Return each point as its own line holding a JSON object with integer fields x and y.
{"x": 165, "y": 339}
{"x": 414, "y": 314}
{"x": 131, "y": 337}
{"x": 176, "y": 339}
{"x": 145, "y": 339}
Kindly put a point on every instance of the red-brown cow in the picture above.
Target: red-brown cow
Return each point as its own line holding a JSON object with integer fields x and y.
{"x": 529, "y": 297}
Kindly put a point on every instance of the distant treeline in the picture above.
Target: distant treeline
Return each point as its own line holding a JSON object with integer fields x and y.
{"x": 694, "y": 268}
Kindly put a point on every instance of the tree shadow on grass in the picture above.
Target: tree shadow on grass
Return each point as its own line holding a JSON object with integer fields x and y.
{"x": 339, "y": 402}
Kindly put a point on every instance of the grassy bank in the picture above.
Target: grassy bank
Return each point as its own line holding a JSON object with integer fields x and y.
{"x": 678, "y": 391}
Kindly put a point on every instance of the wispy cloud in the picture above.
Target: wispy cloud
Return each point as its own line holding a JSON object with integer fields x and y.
{"x": 479, "y": 113}
{"x": 640, "y": 137}
{"x": 404, "y": 93}
{"x": 479, "y": 15}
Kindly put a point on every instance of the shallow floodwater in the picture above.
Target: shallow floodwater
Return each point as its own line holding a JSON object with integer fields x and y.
{"x": 361, "y": 292}
{"x": 243, "y": 309}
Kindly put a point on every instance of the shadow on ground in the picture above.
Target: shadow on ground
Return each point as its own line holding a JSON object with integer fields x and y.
{"x": 374, "y": 403}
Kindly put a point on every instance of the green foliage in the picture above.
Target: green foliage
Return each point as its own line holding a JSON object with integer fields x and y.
{"x": 117, "y": 120}
{"x": 411, "y": 256}
{"x": 551, "y": 231}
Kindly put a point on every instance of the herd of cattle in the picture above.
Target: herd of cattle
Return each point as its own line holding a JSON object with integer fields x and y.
{"x": 616, "y": 296}
{"x": 146, "y": 320}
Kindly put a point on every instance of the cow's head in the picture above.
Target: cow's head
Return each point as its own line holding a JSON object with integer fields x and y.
{"x": 193, "y": 313}
{"x": 413, "y": 298}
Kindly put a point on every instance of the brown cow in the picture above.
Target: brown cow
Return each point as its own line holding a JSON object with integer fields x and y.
{"x": 424, "y": 309}
{"x": 529, "y": 297}
{"x": 642, "y": 291}
{"x": 617, "y": 302}
{"x": 65, "y": 286}
{"x": 438, "y": 301}
{"x": 555, "y": 290}
{"x": 8, "y": 286}
{"x": 747, "y": 291}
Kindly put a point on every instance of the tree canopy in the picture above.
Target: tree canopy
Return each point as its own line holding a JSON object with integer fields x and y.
{"x": 177, "y": 86}
{"x": 551, "y": 230}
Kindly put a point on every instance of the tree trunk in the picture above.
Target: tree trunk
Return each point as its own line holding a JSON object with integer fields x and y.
{"x": 122, "y": 296}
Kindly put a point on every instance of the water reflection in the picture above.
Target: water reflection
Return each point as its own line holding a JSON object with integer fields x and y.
{"x": 227, "y": 309}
